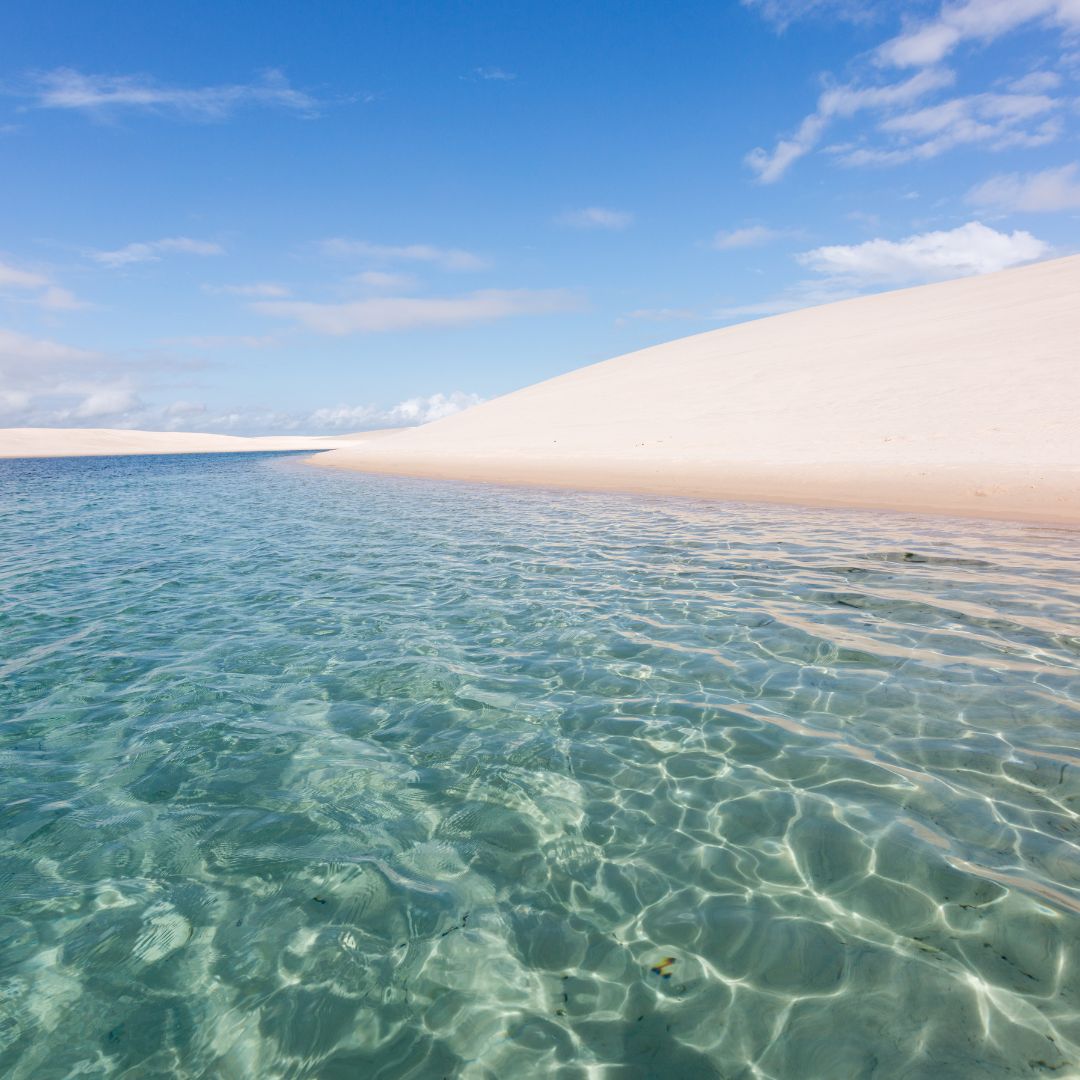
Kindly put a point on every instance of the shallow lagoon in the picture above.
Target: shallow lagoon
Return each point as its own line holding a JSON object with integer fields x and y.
{"x": 306, "y": 774}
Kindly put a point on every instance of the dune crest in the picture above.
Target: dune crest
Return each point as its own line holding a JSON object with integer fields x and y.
{"x": 960, "y": 397}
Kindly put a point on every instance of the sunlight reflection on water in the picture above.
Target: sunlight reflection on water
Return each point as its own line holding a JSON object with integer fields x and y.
{"x": 319, "y": 775}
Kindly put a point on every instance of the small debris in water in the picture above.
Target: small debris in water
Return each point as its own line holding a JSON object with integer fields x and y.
{"x": 318, "y": 900}
{"x": 663, "y": 969}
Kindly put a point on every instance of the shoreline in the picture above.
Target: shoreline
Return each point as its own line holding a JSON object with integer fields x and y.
{"x": 957, "y": 494}
{"x": 955, "y": 398}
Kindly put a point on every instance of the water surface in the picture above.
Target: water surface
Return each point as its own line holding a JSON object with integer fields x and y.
{"x": 305, "y": 774}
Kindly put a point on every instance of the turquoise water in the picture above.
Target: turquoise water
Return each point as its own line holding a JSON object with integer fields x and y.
{"x": 317, "y": 775}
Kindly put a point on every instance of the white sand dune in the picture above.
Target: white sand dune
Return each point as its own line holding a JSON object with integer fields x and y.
{"x": 961, "y": 397}
{"x": 95, "y": 442}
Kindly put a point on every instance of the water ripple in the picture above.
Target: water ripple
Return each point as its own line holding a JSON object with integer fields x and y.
{"x": 310, "y": 775}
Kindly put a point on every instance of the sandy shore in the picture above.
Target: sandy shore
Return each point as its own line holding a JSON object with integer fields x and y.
{"x": 959, "y": 398}
{"x": 101, "y": 442}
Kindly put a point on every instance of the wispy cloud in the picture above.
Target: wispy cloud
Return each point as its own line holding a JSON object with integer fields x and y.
{"x": 30, "y": 286}
{"x": 1040, "y": 192}
{"x": 266, "y": 289}
{"x": 492, "y": 74}
{"x": 596, "y": 217}
{"x": 749, "y": 237}
{"x": 153, "y": 250}
{"x": 782, "y": 13}
{"x": 445, "y": 258}
{"x": 982, "y": 21}
{"x": 973, "y": 248}
{"x": 1018, "y": 111}
{"x": 1036, "y": 82}
{"x": 998, "y": 121}
{"x": 381, "y": 314}
{"x": 841, "y": 102}
{"x": 383, "y": 279}
{"x": 104, "y": 95}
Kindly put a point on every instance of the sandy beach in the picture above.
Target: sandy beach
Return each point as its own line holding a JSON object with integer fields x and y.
{"x": 103, "y": 442}
{"x": 956, "y": 398}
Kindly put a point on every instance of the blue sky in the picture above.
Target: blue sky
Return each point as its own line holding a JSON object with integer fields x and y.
{"x": 328, "y": 216}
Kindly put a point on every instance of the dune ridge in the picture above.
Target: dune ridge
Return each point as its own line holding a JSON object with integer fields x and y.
{"x": 960, "y": 397}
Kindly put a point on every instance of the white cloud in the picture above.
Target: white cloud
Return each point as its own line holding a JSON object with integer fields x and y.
{"x": 973, "y": 248}
{"x": 596, "y": 217}
{"x": 65, "y": 88}
{"x": 841, "y": 102}
{"x": 998, "y": 121}
{"x": 54, "y": 298}
{"x": 44, "y": 381}
{"x": 383, "y": 279}
{"x": 186, "y": 415}
{"x": 1036, "y": 82}
{"x": 1022, "y": 114}
{"x": 846, "y": 271}
{"x": 152, "y": 251}
{"x": 1041, "y": 192}
{"x": 269, "y": 289}
{"x": 380, "y": 314}
{"x": 19, "y": 352}
{"x": 493, "y": 74}
{"x": 50, "y": 383}
{"x": 982, "y": 21}
{"x": 752, "y": 236}
{"x": 105, "y": 401}
{"x": 21, "y": 279}
{"x": 446, "y": 258}
{"x": 782, "y": 13}
{"x": 36, "y": 288}
{"x": 408, "y": 413}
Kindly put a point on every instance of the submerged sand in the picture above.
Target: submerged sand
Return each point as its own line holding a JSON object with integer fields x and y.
{"x": 102, "y": 442}
{"x": 961, "y": 397}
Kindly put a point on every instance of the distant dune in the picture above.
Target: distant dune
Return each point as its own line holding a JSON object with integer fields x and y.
{"x": 94, "y": 442}
{"x": 961, "y": 397}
